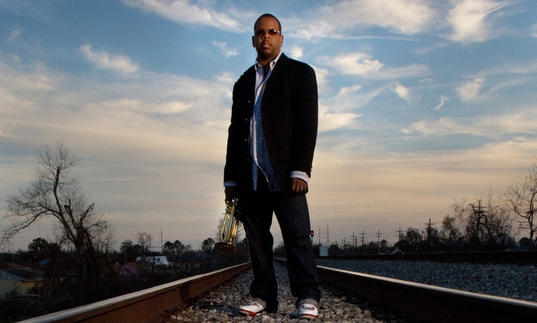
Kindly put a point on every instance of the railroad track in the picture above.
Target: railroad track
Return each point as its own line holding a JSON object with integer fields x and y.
{"x": 496, "y": 257}
{"x": 207, "y": 295}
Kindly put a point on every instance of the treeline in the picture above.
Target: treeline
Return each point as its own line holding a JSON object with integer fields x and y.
{"x": 63, "y": 286}
{"x": 472, "y": 225}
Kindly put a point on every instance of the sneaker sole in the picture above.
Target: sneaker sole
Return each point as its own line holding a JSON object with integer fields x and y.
{"x": 245, "y": 312}
{"x": 308, "y": 316}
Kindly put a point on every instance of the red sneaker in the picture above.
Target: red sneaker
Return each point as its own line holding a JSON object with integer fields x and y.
{"x": 253, "y": 308}
{"x": 308, "y": 311}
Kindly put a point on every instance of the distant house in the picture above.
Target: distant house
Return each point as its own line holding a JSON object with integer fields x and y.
{"x": 156, "y": 260}
{"x": 18, "y": 281}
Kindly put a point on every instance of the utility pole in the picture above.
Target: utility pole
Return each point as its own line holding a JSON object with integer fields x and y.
{"x": 362, "y": 236}
{"x": 429, "y": 226}
{"x": 400, "y": 234}
{"x": 379, "y": 234}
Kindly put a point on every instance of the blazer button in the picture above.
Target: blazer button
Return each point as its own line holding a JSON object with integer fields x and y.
{"x": 245, "y": 119}
{"x": 249, "y": 101}
{"x": 245, "y": 140}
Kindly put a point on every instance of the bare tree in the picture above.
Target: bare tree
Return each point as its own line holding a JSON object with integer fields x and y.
{"x": 56, "y": 194}
{"x": 485, "y": 223}
{"x": 144, "y": 240}
{"x": 500, "y": 223}
{"x": 522, "y": 199}
{"x": 450, "y": 231}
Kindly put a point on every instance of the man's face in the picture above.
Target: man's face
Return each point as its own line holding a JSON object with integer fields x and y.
{"x": 267, "y": 38}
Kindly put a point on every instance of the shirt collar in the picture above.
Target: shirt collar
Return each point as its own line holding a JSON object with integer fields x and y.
{"x": 271, "y": 64}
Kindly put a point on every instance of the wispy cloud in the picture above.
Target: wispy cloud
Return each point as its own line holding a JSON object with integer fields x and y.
{"x": 440, "y": 105}
{"x": 296, "y": 52}
{"x": 183, "y": 11}
{"x": 533, "y": 31}
{"x": 496, "y": 126}
{"x": 103, "y": 60}
{"x": 475, "y": 90}
{"x": 470, "y": 90}
{"x": 473, "y": 20}
{"x": 228, "y": 52}
{"x": 355, "y": 64}
{"x": 334, "y": 121}
{"x": 511, "y": 67}
{"x": 352, "y": 98}
{"x": 322, "y": 78}
{"x": 135, "y": 135}
{"x": 365, "y": 65}
{"x": 439, "y": 127}
{"x": 399, "y": 16}
{"x": 403, "y": 92}
{"x": 140, "y": 106}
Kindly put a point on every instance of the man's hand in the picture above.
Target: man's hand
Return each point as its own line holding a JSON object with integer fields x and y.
{"x": 231, "y": 193}
{"x": 298, "y": 185}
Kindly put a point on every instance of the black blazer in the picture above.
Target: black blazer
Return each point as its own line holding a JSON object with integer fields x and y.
{"x": 289, "y": 113}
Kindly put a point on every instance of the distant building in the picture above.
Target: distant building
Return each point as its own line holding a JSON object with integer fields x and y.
{"x": 19, "y": 281}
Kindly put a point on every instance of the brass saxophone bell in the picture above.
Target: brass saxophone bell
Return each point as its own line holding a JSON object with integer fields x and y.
{"x": 228, "y": 232}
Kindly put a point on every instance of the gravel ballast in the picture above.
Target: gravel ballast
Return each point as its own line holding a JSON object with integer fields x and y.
{"x": 221, "y": 305}
{"x": 513, "y": 281}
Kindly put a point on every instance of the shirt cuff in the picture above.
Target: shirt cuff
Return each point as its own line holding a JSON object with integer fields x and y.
{"x": 230, "y": 183}
{"x": 301, "y": 175}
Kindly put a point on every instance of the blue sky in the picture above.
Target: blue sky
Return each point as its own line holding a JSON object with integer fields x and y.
{"x": 421, "y": 103}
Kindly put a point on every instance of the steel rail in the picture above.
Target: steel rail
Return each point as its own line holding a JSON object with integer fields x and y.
{"x": 148, "y": 305}
{"x": 508, "y": 257}
{"x": 421, "y": 302}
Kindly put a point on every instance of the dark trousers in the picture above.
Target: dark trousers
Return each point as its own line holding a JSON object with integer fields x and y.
{"x": 293, "y": 217}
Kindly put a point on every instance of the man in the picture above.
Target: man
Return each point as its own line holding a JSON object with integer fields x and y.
{"x": 268, "y": 166}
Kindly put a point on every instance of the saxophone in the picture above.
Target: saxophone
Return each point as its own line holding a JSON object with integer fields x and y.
{"x": 230, "y": 225}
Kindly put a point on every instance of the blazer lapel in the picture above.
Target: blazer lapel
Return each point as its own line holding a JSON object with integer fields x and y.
{"x": 276, "y": 74}
{"x": 249, "y": 81}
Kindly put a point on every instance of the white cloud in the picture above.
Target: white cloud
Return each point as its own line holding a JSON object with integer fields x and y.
{"x": 405, "y": 16}
{"x": 533, "y": 31}
{"x": 469, "y": 91}
{"x": 333, "y": 121}
{"x": 365, "y": 65}
{"x": 403, "y": 92}
{"x": 225, "y": 78}
{"x": 22, "y": 88}
{"x": 355, "y": 64}
{"x": 157, "y": 139}
{"x": 228, "y": 52}
{"x": 496, "y": 126}
{"x": 401, "y": 16}
{"x": 106, "y": 61}
{"x": 182, "y": 11}
{"x": 512, "y": 67}
{"x": 443, "y": 126}
{"x": 351, "y": 98}
{"x": 296, "y": 52}
{"x": 472, "y": 20}
{"x": 141, "y": 106}
{"x": 322, "y": 78}
{"x": 443, "y": 100}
